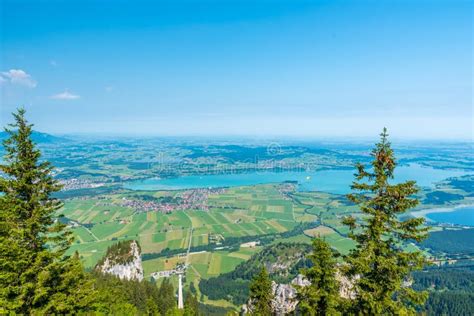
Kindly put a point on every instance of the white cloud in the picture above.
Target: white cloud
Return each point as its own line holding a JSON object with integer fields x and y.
{"x": 66, "y": 95}
{"x": 18, "y": 76}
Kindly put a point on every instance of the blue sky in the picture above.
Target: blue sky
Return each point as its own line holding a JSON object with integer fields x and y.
{"x": 256, "y": 68}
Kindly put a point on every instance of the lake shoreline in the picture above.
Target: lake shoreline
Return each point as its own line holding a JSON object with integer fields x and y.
{"x": 334, "y": 181}
{"x": 424, "y": 212}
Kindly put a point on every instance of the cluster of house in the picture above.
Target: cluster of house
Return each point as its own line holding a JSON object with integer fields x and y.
{"x": 146, "y": 206}
{"x": 195, "y": 199}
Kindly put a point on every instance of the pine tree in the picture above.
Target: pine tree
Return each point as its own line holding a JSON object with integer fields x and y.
{"x": 261, "y": 294}
{"x": 191, "y": 305}
{"x": 152, "y": 307}
{"x": 378, "y": 267}
{"x": 321, "y": 296}
{"x": 65, "y": 288}
{"x": 33, "y": 268}
{"x": 166, "y": 297}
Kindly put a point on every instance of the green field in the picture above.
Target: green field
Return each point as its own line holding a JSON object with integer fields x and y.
{"x": 247, "y": 212}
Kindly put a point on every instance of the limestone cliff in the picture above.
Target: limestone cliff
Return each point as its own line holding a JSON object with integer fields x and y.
{"x": 123, "y": 260}
{"x": 284, "y": 297}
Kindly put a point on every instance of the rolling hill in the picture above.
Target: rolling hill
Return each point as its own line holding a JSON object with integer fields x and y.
{"x": 39, "y": 138}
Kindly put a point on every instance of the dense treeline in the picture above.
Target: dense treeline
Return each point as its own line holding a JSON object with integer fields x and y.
{"x": 234, "y": 285}
{"x": 233, "y": 290}
{"x": 451, "y": 290}
{"x": 450, "y": 303}
{"x": 446, "y": 278}
{"x": 451, "y": 241}
{"x": 292, "y": 255}
{"x": 212, "y": 310}
{"x": 119, "y": 252}
{"x": 131, "y": 297}
{"x": 128, "y": 296}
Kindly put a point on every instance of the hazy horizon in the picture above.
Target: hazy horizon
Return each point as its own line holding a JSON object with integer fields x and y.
{"x": 257, "y": 139}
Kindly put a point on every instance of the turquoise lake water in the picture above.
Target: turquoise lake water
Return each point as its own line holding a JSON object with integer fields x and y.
{"x": 332, "y": 181}
{"x": 460, "y": 216}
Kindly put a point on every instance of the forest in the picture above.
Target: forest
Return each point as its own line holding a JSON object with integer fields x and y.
{"x": 451, "y": 289}
{"x": 451, "y": 241}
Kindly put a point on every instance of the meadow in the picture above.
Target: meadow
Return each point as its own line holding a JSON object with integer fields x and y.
{"x": 252, "y": 211}
{"x": 240, "y": 214}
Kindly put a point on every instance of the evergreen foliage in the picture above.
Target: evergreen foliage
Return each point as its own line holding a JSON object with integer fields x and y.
{"x": 119, "y": 253}
{"x": 451, "y": 289}
{"x": 261, "y": 294}
{"x": 35, "y": 275}
{"x": 446, "y": 278}
{"x": 115, "y": 295}
{"x": 191, "y": 305}
{"x": 234, "y": 285}
{"x": 450, "y": 303}
{"x": 166, "y": 299}
{"x": 378, "y": 267}
{"x": 65, "y": 289}
{"x": 450, "y": 241}
{"x": 321, "y": 297}
{"x": 213, "y": 310}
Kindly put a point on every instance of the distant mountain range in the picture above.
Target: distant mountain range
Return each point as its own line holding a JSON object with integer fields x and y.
{"x": 39, "y": 138}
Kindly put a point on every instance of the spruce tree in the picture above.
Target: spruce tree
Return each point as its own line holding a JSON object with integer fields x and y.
{"x": 261, "y": 294}
{"x": 191, "y": 305}
{"x": 321, "y": 296}
{"x": 166, "y": 297}
{"x": 152, "y": 307}
{"x": 379, "y": 267}
{"x": 65, "y": 289}
{"x": 33, "y": 268}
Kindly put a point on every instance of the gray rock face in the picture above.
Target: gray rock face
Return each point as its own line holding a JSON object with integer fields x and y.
{"x": 284, "y": 301}
{"x": 130, "y": 270}
{"x": 284, "y": 298}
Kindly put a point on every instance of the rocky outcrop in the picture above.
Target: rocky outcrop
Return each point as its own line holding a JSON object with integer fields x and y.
{"x": 346, "y": 286}
{"x": 284, "y": 297}
{"x": 284, "y": 301}
{"x": 123, "y": 260}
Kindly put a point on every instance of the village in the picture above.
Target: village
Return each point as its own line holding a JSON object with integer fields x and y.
{"x": 195, "y": 199}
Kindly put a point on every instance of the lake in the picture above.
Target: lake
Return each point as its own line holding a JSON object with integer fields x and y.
{"x": 459, "y": 216}
{"x": 332, "y": 181}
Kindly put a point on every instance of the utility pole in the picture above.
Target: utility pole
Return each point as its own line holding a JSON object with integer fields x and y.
{"x": 180, "y": 291}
